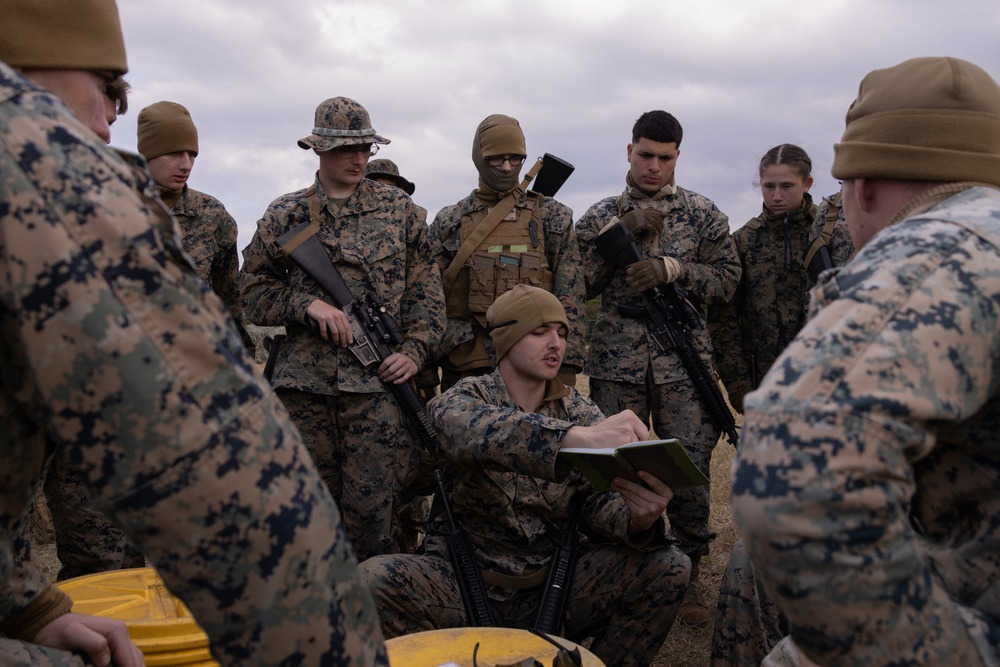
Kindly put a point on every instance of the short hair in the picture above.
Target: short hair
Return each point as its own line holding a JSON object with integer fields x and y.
{"x": 789, "y": 154}
{"x": 658, "y": 126}
{"x": 117, "y": 91}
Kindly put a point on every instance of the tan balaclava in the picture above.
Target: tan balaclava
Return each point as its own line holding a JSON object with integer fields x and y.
{"x": 519, "y": 312}
{"x": 926, "y": 119}
{"x": 165, "y": 127}
{"x": 497, "y": 135}
{"x": 56, "y": 34}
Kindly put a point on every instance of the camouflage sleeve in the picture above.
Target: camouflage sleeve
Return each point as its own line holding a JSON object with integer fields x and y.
{"x": 597, "y": 270}
{"x": 225, "y": 273}
{"x": 128, "y": 365}
{"x": 422, "y": 306}
{"x": 712, "y": 276}
{"x": 728, "y": 350}
{"x": 267, "y": 296}
{"x": 878, "y": 412}
{"x": 563, "y": 254}
{"x": 475, "y": 432}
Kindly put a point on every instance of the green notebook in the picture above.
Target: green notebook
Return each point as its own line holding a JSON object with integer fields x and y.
{"x": 664, "y": 459}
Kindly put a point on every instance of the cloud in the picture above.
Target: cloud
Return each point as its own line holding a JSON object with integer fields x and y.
{"x": 741, "y": 77}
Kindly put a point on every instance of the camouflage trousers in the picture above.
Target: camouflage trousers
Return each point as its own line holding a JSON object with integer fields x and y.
{"x": 676, "y": 413}
{"x": 747, "y": 623}
{"x": 624, "y": 598}
{"x": 86, "y": 542}
{"x": 16, "y": 653}
{"x": 367, "y": 459}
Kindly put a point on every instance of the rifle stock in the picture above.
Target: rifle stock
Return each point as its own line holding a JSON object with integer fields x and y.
{"x": 672, "y": 317}
{"x": 553, "y": 605}
{"x": 374, "y": 330}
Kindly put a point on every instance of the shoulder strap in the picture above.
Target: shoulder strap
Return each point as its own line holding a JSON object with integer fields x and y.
{"x": 832, "y": 213}
{"x": 484, "y": 228}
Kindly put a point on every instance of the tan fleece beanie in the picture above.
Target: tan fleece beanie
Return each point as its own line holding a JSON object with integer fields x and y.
{"x": 926, "y": 119}
{"x": 62, "y": 34}
{"x": 518, "y": 312}
{"x": 166, "y": 127}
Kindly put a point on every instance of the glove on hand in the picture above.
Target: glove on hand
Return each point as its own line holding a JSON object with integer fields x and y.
{"x": 641, "y": 220}
{"x": 653, "y": 272}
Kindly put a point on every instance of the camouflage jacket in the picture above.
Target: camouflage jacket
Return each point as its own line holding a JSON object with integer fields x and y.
{"x": 115, "y": 351}
{"x": 561, "y": 251}
{"x": 772, "y": 298}
{"x": 378, "y": 241}
{"x": 209, "y": 235}
{"x": 866, "y": 489}
{"x": 696, "y": 233}
{"x": 495, "y": 453}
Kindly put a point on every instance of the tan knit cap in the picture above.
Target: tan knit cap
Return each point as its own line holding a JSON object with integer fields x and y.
{"x": 520, "y": 311}
{"x": 926, "y": 119}
{"x": 62, "y": 34}
{"x": 165, "y": 127}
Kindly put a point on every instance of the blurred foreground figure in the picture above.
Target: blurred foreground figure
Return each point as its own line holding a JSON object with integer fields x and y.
{"x": 115, "y": 354}
{"x": 866, "y": 488}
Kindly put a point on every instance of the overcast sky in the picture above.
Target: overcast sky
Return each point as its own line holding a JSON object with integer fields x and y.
{"x": 740, "y": 75}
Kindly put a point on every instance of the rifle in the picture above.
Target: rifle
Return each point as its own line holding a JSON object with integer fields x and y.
{"x": 554, "y": 172}
{"x": 374, "y": 330}
{"x": 553, "y": 605}
{"x": 672, "y": 317}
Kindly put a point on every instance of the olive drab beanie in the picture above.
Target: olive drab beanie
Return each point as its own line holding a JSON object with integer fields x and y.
{"x": 165, "y": 127}
{"x": 60, "y": 34}
{"x": 926, "y": 119}
{"x": 518, "y": 312}
{"x": 497, "y": 135}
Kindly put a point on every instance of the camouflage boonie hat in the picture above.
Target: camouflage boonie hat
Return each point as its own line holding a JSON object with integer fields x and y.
{"x": 340, "y": 121}
{"x": 387, "y": 169}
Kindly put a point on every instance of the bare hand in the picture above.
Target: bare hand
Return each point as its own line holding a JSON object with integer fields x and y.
{"x": 619, "y": 429}
{"x": 333, "y": 324}
{"x": 104, "y": 640}
{"x": 397, "y": 368}
{"x": 645, "y": 505}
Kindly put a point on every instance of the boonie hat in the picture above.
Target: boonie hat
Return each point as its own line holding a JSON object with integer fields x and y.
{"x": 340, "y": 121}
{"x": 388, "y": 170}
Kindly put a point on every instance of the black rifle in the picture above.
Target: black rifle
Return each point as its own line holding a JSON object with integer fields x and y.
{"x": 552, "y": 175}
{"x": 672, "y": 317}
{"x": 374, "y": 330}
{"x": 553, "y": 605}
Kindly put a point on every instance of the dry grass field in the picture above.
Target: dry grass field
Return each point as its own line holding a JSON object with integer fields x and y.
{"x": 685, "y": 646}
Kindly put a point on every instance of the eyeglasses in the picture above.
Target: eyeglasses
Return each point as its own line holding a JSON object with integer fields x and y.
{"x": 364, "y": 149}
{"x": 498, "y": 160}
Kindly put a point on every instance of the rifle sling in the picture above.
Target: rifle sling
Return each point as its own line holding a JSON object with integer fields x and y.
{"x": 484, "y": 228}
{"x": 518, "y": 583}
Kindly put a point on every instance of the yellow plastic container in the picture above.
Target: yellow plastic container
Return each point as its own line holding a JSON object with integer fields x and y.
{"x": 159, "y": 624}
{"x": 496, "y": 646}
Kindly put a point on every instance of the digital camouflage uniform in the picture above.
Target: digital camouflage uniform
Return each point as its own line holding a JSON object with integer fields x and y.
{"x": 350, "y": 422}
{"x": 770, "y": 303}
{"x": 209, "y": 236}
{"x": 841, "y": 245}
{"x": 626, "y": 368}
{"x": 556, "y": 240}
{"x": 866, "y": 486}
{"x": 117, "y": 354}
{"x": 86, "y": 541}
{"x": 514, "y": 499}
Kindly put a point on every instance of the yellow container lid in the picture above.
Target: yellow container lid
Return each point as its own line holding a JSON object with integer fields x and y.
{"x": 454, "y": 646}
{"x": 159, "y": 624}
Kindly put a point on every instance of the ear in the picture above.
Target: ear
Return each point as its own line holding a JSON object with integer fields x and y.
{"x": 808, "y": 183}
{"x": 864, "y": 194}
{"x": 628, "y": 152}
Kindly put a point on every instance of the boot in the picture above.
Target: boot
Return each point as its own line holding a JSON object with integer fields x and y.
{"x": 693, "y": 610}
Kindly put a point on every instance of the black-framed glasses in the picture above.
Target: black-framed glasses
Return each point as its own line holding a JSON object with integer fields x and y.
{"x": 367, "y": 150}
{"x": 498, "y": 160}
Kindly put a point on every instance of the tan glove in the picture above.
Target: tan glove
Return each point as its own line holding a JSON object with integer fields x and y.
{"x": 641, "y": 220}
{"x": 653, "y": 272}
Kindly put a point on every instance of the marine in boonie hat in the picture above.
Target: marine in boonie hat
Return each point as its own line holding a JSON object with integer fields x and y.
{"x": 340, "y": 121}
{"x": 386, "y": 170}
